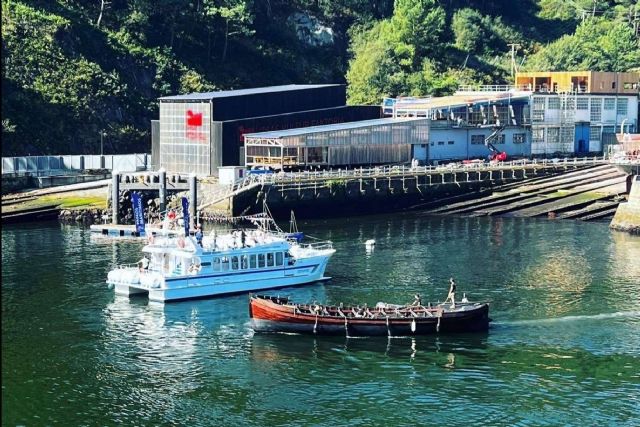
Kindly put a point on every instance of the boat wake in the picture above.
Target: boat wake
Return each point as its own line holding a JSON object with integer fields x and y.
{"x": 618, "y": 315}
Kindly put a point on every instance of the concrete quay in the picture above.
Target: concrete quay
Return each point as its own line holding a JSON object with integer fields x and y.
{"x": 316, "y": 194}
{"x": 627, "y": 217}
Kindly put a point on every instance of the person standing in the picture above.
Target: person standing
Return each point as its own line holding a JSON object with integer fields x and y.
{"x": 452, "y": 292}
{"x": 199, "y": 235}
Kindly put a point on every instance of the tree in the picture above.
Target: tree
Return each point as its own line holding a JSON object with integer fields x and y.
{"x": 236, "y": 15}
{"x": 392, "y": 57}
{"x": 598, "y": 45}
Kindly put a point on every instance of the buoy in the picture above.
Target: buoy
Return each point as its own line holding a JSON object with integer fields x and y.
{"x": 370, "y": 242}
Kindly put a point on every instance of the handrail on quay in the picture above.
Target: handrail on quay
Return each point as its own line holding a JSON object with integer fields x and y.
{"x": 403, "y": 170}
{"x": 388, "y": 171}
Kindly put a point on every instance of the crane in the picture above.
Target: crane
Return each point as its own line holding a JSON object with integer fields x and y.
{"x": 499, "y": 156}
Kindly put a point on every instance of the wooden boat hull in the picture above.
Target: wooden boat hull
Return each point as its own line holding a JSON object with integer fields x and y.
{"x": 270, "y": 317}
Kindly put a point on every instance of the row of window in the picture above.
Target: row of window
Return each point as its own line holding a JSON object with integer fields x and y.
{"x": 247, "y": 262}
{"x": 581, "y": 103}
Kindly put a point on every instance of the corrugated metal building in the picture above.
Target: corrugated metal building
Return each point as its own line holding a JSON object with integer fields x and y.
{"x": 365, "y": 142}
{"x": 200, "y": 132}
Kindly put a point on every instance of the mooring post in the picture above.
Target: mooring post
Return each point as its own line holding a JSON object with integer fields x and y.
{"x": 115, "y": 196}
{"x": 193, "y": 196}
{"x": 163, "y": 189}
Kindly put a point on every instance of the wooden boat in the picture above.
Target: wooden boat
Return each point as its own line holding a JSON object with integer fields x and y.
{"x": 276, "y": 314}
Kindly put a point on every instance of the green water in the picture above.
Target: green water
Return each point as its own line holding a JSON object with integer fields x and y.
{"x": 564, "y": 347}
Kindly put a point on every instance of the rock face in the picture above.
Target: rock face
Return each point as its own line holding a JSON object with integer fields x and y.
{"x": 627, "y": 217}
{"x": 310, "y": 31}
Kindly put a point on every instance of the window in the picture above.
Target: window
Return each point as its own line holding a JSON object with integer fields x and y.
{"x": 519, "y": 138}
{"x": 432, "y": 143}
{"x": 234, "y": 263}
{"x": 244, "y": 262}
{"x": 537, "y": 135}
{"x": 608, "y": 129}
{"x": 613, "y": 85}
{"x": 252, "y": 261}
{"x": 538, "y": 103}
{"x": 594, "y": 133}
{"x": 450, "y": 142}
{"x": 477, "y": 139}
{"x": 440, "y": 142}
{"x": 538, "y": 108}
{"x": 260, "y": 260}
{"x": 609, "y": 103}
{"x": 269, "y": 259}
{"x": 279, "y": 258}
{"x": 225, "y": 263}
{"x": 216, "y": 264}
{"x": 554, "y": 103}
{"x": 582, "y": 103}
{"x": 501, "y": 139}
{"x": 622, "y": 106}
{"x": 629, "y": 85}
{"x": 423, "y": 145}
{"x": 596, "y": 109}
{"x": 553, "y": 135}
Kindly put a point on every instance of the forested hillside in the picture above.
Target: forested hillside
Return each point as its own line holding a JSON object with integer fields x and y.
{"x": 73, "y": 70}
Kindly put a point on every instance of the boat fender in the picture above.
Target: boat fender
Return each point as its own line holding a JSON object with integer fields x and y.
{"x": 315, "y": 327}
{"x": 413, "y": 325}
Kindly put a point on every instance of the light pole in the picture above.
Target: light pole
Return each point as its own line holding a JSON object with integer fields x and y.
{"x": 102, "y": 134}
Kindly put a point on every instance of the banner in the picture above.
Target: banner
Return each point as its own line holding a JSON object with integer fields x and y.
{"x": 138, "y": 213}
{"x": 185, "y": 215}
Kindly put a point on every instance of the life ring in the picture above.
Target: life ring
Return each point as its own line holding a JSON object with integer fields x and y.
{"x": 171, "y": 215}
{"x": 181, "y": 242}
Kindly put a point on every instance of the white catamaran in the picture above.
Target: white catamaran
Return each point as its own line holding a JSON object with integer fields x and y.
{"x": 178, "y": 268}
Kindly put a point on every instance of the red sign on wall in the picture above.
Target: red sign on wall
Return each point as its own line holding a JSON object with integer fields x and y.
{"x": 194, "y": 119}
{"x": 194, "y": 125}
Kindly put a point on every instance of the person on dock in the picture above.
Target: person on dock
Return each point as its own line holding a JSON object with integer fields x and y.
{"x": 199, "y": 235}
{"x": 452, "y": 293}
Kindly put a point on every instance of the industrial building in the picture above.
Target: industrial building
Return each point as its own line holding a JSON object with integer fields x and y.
{"x": 546, "y": 113}
{"x": 367, "y": 142}
{"x": 201, "y": 132}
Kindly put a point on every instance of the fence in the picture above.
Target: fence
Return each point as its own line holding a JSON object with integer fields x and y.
{"x": 57, "y": 165}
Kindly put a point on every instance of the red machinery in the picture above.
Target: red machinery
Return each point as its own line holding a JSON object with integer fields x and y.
{"x": 498, "y": 156}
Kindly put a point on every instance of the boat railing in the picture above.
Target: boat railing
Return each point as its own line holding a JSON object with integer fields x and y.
{"x": 320, "y": 245}
{"x": 127, "y": 266}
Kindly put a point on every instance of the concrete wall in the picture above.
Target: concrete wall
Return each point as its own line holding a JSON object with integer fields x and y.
{"x": 627, "y": 217}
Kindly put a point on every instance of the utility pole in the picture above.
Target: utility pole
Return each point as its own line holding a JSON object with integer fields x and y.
{"x": 514, "y": 66}
{"x": 595, "y": 3}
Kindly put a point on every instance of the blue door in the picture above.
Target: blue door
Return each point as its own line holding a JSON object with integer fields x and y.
{"x": 581, "y": 142}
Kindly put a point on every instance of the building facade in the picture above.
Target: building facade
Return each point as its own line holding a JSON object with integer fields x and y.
{"x": 200, "y": 132}
{"x": 368, "y": 142}
{"x": 544, "y": 114}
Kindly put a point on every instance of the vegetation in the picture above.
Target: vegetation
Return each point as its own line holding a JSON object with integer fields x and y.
{"x": 77, "y": 72}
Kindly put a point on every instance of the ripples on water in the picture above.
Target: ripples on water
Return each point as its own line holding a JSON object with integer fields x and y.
{"x": 563, "y": 350}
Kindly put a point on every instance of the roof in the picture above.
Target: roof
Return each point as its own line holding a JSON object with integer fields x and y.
{"x": 458, "y": 100}
{"x": 330, "y": 128}
{"x": 205, "y": 96}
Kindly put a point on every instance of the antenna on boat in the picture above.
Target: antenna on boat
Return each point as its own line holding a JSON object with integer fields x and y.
{"x": 293, "y": 226}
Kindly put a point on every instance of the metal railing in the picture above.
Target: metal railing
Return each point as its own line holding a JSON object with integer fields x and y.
{"x": 403, "y": 170}
{"x": 57, "y": 165}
